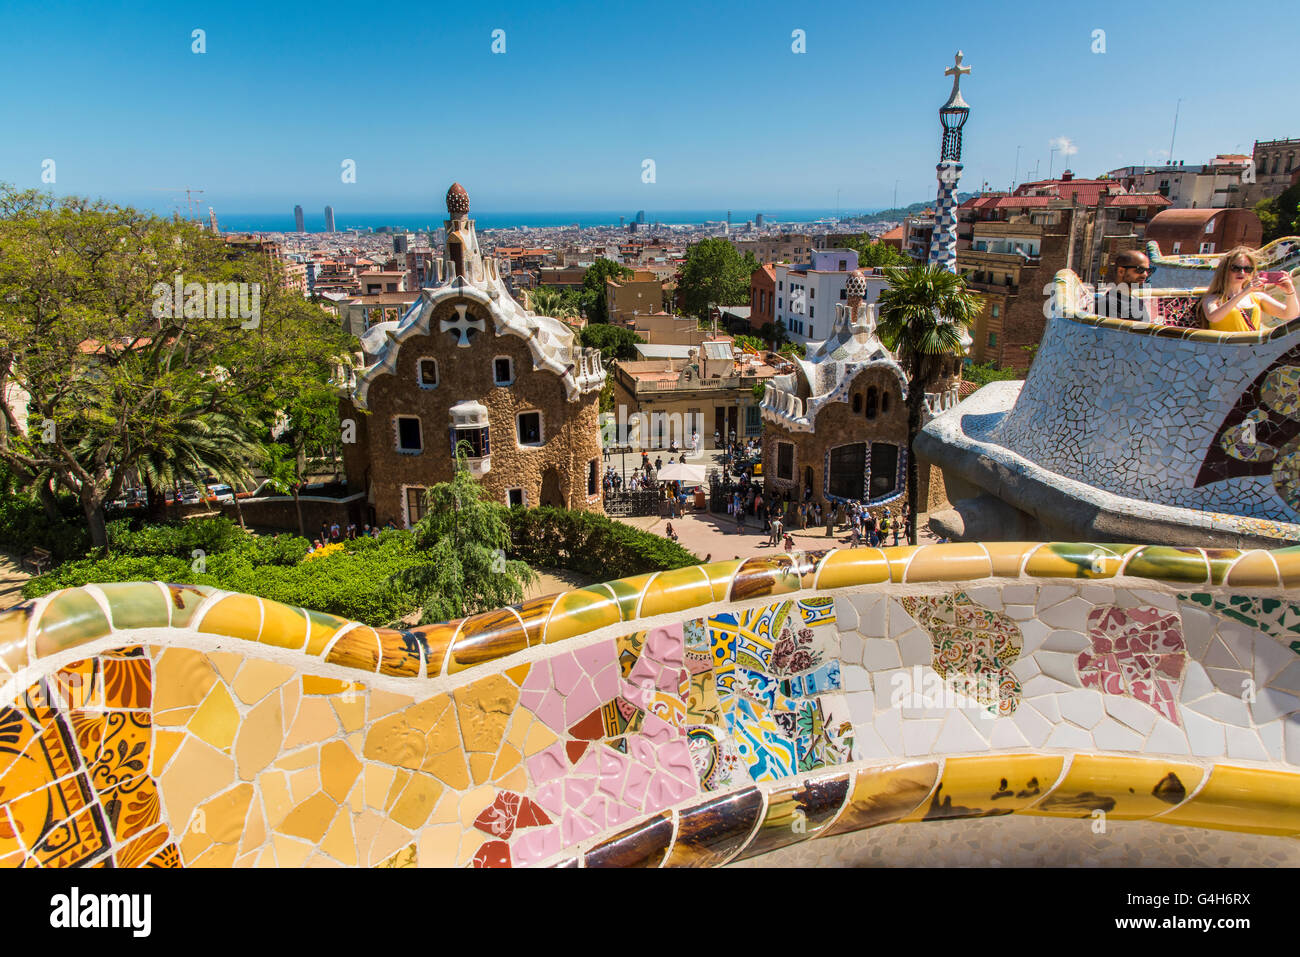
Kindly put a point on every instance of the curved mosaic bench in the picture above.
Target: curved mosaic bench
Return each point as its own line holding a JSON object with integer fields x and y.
{"x": 1186, "y": 271}
{"x": 692, "y": 717}
{"x": 1159, "y": 432}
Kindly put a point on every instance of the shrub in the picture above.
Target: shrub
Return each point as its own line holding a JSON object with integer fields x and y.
{"x": 591, "y": 544}
{"x": 24, "y": 526}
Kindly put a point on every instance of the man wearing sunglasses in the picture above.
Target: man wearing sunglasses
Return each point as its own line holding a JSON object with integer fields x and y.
{"x": 1122, "y": 299}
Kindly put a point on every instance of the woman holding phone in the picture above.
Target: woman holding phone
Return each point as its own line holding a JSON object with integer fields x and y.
{"x": 1235, "y": 301}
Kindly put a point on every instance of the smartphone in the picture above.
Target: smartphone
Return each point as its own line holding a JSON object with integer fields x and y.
{"x": 1272, "y": 278}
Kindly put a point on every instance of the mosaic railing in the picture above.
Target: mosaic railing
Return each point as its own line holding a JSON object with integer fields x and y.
{"x": 1186, "y": 271}
{"x": 692, "y": 717}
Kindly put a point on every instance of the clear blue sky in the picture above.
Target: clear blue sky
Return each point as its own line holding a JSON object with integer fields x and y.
{"x": 585, "y": 91}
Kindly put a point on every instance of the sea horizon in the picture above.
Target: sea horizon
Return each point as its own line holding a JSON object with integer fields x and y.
{"x": 425, "y": 221}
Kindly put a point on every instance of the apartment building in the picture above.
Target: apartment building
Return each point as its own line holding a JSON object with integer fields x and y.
{"x": 794, "y": 248}
{"x": 806, "y": 295}
{"x": 1204, "y": 231}
{"x": 1275, "y": 163}
{"x": 762, "y": 297}
{"x": 1213, "y": 185}
{"x": 643, "y": 294}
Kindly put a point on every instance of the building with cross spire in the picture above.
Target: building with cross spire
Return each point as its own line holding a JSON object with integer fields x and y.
{"x": 468, "y": 367}
{"x": 952, "y": 116}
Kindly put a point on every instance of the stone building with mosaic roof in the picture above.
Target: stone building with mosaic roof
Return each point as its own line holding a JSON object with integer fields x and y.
{"x": 468, "y": 364}
{"x": 836, "y": 426}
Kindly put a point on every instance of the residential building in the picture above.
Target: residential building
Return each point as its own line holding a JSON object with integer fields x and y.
{"x": 710, "y": 389}
{"x": 1203, "y": 231}
{"x": 382, "y": 280}
{"x": 918, "y": 231}
{"x": 793, "y": 248}
{"x": 468, "y": 366}
{"x": 660, "y": 328}
{"x": 565, "y": 277}
{"x": 643, "y": 294}
{"x": 893, "y": 237}
{"x": 762, "y": 297}
{"x": 1212, "y": 185}
{"x": 1275, "y": 162}
{"x": 806, "y": 295}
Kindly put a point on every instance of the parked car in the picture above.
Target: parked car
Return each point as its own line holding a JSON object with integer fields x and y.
{"x": 220, "y": 493}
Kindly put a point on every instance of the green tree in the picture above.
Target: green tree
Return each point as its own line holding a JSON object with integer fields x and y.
{"x": 593, "y": 287}
{"x": 754, "y": 342}
{"x": 983, "y": 374}
{"x": 1280, "y": 216}
{"x": 460, "y": 543}
{"x": 923, "y": 312}
{"x": 549, "y": 301}
{"x": 110, "y": 364}
{"x": 614, "y": 342}
{"x": 874, "y": 254}
{"x": 714, "y": 274}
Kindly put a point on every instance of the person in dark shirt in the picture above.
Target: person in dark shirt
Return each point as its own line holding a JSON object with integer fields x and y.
{"x": 1117, "y": 300}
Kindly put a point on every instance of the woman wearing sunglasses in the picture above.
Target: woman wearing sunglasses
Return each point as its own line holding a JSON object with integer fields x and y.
{"x": 1235, "y": 301}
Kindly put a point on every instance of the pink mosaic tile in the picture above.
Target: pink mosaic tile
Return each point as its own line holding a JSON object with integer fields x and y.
{"x": 1135, "y": 652}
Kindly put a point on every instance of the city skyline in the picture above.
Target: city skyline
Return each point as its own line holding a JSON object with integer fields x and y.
{"x": 841, "y": 126}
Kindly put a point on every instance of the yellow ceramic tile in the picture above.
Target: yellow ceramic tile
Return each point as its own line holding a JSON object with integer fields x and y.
{"x": 315, "y": 722}
{"x": 71, "y": 618}
{"x": 540, "y": 737}
{"x": 853, "y": 566}
{"x": 226, "y": 663}
{"x": 356, "y": 648}
{"x": 882, "y": 795}
{"x": 290, "y": 853}
{"x": 218, "y": 856}
{"x": 385, "y": 702}
{"x": 225, "y": 814}
{"x": 389, "y": 839}
{"x": 480, "y": 767}
{"x": 1169, "y": 563}
{"x": 339, "y": 767}
{"x": 274, "y": 788}
{"x": 182, "y": 679}
{"x": 282, "y": 626}
{"x": 266, "y": 857}
{"x": 339, "y": 842}
{"x": 483, "y": 709}
{"x": 1255, "y": 800}
{"x": 1125, "y": 788}
{"x": 322, "y": 629}
{"x": 960, "y": 561}
{"x": 379, "y": 778}
{"x": 506, "y": 761}
{"x": 1254, "y": 569}
{"x": 193, "y": 843}
{"x": 1008, "y": 557}
{"x": 13, "y": 639}
{"x": 304, "y": 783}
{"x": 676, "y": 590}
{"x": 239, "y": 616}
{"x": 290, "y": 696}
{"x": 898, "y": 558}
{"x": 720, "y": 575}
{"x": 366, "y": 826}
{"x": 248, "y": 860}
{"x": 314, "y": 684}
{"x": 350, "y": 708}
{"x": 217, "y": 719}
{"x": 450, "y": 768}
{"x": 197, "y": 772}
{"x": 1288, "y": 566}
{"x": 417, "y": 801}
{"x": 254, "y": 835}
{"x": 439, "y": 846}
{"x": 258, "y": 678}
{"x": 581, "y": 611}
{"x": 990, "y": 785}
{"x": 165, "y": 744}
{"x": 395, "y": 790}
{"x": 516, "y": 780}
{"x": 1075, "y": 560}
{"x": 297, "y": 760}
{"x": 518, "y": 674}
{"x": 259, "y": 737}
{"x": 406, "y": 857}
{"x": 357, "y": 800}
{"x": 412, "y": 737}
{"x": 310, "y": 819}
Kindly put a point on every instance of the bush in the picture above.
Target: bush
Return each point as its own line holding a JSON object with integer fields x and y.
{"x": 211, "y": 535}
{"x": 983, "y": 374}
{"x": 591, "y": 544}
{"x": 24, "y": 526}
{"x": 124, "y": 568}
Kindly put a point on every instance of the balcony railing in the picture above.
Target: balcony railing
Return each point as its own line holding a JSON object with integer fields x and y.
{"x": 696, "y": 385}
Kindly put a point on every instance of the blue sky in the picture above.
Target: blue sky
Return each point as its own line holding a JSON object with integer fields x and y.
{"x": 587, "y": 90}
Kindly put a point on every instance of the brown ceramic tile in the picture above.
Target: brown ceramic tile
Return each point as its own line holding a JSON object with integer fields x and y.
{"x": 357, "y": 648}
{"x": 401, "y": 653}
{"x": 709, "y": 833}
{"x": 797, "y": 813}
{"x": 487, "y": 637}
{"x": 882, "y": 795}
{"x": 642, "y": 845}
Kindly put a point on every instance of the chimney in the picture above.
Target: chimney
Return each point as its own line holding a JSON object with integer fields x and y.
{"x": 1067, "y": 176}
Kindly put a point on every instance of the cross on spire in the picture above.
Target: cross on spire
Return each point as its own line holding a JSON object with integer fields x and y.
{"x": 956, "y": 71}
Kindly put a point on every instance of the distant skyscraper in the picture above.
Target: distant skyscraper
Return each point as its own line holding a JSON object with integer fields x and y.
{"x": 620, "y": 222}
{"x": 329, "y": 219}
{"x": 728, "y": 217}
{"x": 758, "y": 220}
{"x": 640, "y": 216}
{"x": 297, "y": 219}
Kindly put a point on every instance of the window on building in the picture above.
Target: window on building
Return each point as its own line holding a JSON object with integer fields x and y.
{"x": 873, "y": 399}
{"x": 857, "y": 402}
{"x": 812, "y": 312}
{"x": 996, "y": 312}
{"x": 415, "y": 505}
{"x": 515, "y": 497}
{"x": 884, "y": 469}
{"x": 844, "y": 265}
{"x": 780, "y": 303}
{"x": 1209, "y": 225}
{"x": 428, "y": 373}
{"x": 476, "y": 439}
{"x": 781, "y": 285}
{"x": 848, "y": 462}
{"x": 1177, "y": 246}
{"x": 503, "y": 370}
{"x": 529, "y": 428}
{"x": 753, "y": 420}
{"x": 812, "y": 293}
{"x": 1207, "y": 247}
{"x": 811, "y": 334}
{"x": 844, "y": 294}
{"x": 785, "y": 460}
{"x": 408, "y": 434}
{"x": 593, "y": 479}
{"x": 884, "y": 400}
{"x": 993, "y": 340}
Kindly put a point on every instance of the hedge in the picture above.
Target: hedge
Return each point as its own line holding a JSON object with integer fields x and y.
{"x": 590, "y": 543}
{"x": 24, "y": 526}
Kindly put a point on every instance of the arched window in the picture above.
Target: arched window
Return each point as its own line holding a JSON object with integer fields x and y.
{"x": 857, "y": 402}
{"x": 871, "y": 402}
{"x": 884, "y": 400}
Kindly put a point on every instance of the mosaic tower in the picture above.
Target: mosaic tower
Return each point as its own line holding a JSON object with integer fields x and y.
{"x": 953, "y": 114}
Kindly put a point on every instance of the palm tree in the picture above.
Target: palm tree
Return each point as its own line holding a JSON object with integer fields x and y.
{"x": 551, "y": 302}
{"x": 923, "y": 316}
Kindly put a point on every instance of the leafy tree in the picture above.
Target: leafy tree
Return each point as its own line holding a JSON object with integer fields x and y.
{"x": 1280, "y": 215}
{"x": 714, "y": 274}
{"x": 110, "y": 371}
{"x": 460, "y": 544}
{"x": 983, "y": 374}
{"x": 310, "y": 425}
{"x": 558, "y": 303}
{"x": 593, "y": 287}
{"x": 614, "y": 342}
{"x": 753, "y": 342}
{"x": 923, "y": 312}
{"x": 873, "y": 254}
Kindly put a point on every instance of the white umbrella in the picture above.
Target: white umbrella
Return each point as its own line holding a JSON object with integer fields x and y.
{"x": 678, "y": 472}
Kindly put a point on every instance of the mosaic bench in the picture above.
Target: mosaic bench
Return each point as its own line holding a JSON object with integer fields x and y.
{"x": 744, "y": 710}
